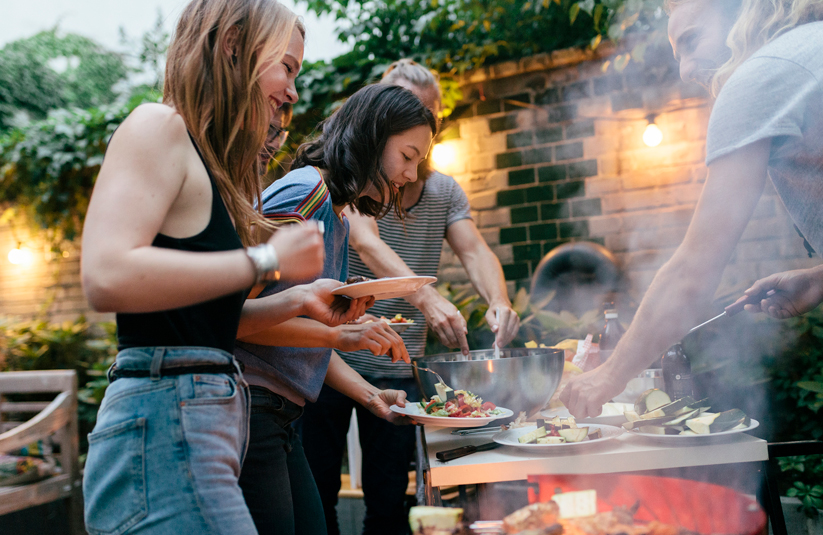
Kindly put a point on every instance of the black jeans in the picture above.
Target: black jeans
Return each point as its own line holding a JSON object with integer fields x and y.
{"x": 276, "y": 480}
{"x": 387, "y": 452}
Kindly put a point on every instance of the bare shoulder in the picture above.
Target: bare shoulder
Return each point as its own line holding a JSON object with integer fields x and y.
{"x": 153, "y": 128}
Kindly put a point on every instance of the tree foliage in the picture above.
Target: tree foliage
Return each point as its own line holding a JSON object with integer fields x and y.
{"x": 49, "y": 71}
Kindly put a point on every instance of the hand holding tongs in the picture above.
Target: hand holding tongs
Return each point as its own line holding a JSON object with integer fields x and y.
{"x": 737, "y": 306}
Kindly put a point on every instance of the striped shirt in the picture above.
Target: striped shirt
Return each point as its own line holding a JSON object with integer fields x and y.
{"x": 418, "y": 241}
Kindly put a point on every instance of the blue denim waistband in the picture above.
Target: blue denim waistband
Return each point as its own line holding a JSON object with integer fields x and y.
{"x": 160, "y": 358}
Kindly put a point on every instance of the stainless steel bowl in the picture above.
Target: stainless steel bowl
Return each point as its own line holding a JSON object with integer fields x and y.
{"x": 520, "y": 380}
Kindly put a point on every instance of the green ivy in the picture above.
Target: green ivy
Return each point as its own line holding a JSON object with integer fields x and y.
{"x": 48, "y": 167}
{"x": 33, "y": 81}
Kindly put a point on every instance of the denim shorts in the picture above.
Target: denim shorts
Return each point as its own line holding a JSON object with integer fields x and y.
{"x": 165, "y": 454}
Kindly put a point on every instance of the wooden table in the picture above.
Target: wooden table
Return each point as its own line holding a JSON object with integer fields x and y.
{"x": 626, "y": 453}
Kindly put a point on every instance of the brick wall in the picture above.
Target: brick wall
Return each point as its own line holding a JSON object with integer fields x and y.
{"x": 48, "y": 284}
{"x": 549, "y": 150}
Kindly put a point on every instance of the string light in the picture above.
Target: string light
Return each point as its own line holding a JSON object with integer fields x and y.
{"x": 443, "y": 155}
{"x": 20, "y": 255}
{"x": 653, "y": 136}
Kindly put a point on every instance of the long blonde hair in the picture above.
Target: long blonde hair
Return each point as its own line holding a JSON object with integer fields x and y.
{"x": 218, "y": 96}
{"x": 761, "y": 22}
{"x": 758, "y": 22}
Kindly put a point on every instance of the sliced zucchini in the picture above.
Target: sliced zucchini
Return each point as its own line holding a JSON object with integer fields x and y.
{"x": 688, "y": 432}
{"x": 670, "y": 409}
{"x": 595, "y": 434}
{"x": 631, "y": 416}
{"x": 683, "y": 417}
{"x": 708, "y": 423}
{"x": 551, "y": 440}
{"x": 574, "y": 435}
{"x": 532, "y": 436}
{"x": 640, "y": 423}
{"x": 650, "y": 400}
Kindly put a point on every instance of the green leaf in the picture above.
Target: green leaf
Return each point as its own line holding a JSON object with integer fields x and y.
{"x": 573, "y": 12}
{"x": 812, "y": 386}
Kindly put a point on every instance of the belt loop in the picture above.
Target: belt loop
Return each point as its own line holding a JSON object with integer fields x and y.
{"x": 239, "y": 367}
{"x": 110, "y": 372}
{"x": 157, "y": 363}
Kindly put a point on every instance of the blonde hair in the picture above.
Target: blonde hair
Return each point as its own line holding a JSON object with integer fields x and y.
{"x": 758, "y": 22}
{"x": 218, "y": 96}
{"x": 410, "y": 70}
{"x": 761, "y": 22}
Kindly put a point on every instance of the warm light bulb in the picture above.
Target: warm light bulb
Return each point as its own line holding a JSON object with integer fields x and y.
{"x": 443, "y": 155}
{"x": 653, "y": 136}
{"x": 19, "y": 255}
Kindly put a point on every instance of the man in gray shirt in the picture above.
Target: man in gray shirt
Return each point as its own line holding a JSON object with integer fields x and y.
{"x": 767, "y": 122}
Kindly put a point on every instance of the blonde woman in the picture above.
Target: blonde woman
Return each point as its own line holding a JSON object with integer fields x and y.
{"x": 163, "y": 247}
{"x": 763, "y": 59}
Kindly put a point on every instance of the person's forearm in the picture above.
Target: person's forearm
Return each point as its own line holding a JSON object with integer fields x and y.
{"x": 678, "y": 296}
{"x": 486, "y": 274}
{"x": 264, "y": 312}
{"x": 147, "y": 279}
{"x": 348, "y": 382}
{"x": 295, "y": 332}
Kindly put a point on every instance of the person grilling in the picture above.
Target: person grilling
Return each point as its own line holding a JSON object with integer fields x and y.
{"x": 763, "y": 60}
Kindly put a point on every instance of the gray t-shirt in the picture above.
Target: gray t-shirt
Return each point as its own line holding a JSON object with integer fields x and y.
{"x": 778, "y": 94}
{"x": 418, "y": 241}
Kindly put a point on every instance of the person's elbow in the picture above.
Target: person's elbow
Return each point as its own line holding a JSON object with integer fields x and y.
{"x": 102, "y": 289}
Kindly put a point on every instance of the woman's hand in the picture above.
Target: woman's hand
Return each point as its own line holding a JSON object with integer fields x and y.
{"x": 300, "y": 251}
{"x": 379, "y": 403}
{"x": 789, "y": 294}
{"x": 376, "y": 337}
{"x": 333, "y": 310}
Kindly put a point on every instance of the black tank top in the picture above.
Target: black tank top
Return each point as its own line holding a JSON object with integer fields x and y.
{"x": 210, "y": 324}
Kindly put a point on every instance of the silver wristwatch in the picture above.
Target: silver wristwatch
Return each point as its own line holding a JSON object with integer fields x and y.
{"x": 265, "y": 261}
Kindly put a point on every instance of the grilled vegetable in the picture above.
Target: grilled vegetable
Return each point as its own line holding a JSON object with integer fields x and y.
{"x": 683, "y": 417}
{"x": 551, "y": 440}
{"x": 631, "y": 416}
{"x": 595, "y": 434}
{"x": 708, "y": 423}
{"x": 444, "y": 391}
{"x": 670, "y": 409}
{"x": 532, "y": 436}
{"x": 575, "y": 435}
{"x": 650, "y": 400}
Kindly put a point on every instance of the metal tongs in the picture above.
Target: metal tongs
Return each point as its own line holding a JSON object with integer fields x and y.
{"x": 736, "y": 307}
{"x": 440, "y": 379}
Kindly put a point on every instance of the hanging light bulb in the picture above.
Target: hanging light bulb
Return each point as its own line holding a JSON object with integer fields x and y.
{"x": 20, "y": 255}
{"x": 443, "y": 155}
{"x": 653, "y": 136}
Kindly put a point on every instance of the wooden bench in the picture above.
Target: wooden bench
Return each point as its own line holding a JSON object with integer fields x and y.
{"x": 58, "y": 418}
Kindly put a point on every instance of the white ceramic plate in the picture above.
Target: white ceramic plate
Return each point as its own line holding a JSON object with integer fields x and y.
{"x": 413, "y": 410}
{"x": 400, "y": 327}
{"x": 386, "y": 288}
{"x": 612, "y": 414}
{"x": 674, "y": 440}
{"x": 509, "y": 438}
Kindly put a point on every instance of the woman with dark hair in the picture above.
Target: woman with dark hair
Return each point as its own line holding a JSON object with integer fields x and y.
{"x": 364, "y": 155}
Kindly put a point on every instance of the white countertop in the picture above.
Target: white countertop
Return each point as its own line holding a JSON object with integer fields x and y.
{"x": 626, "y": 453}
